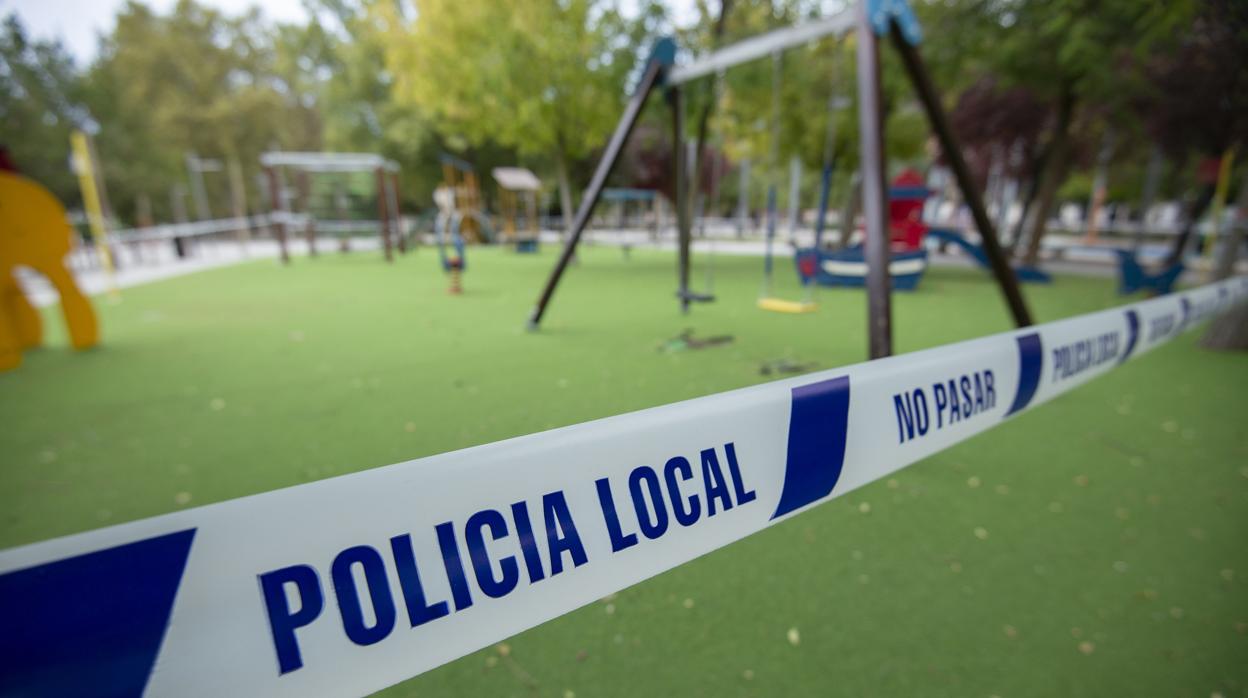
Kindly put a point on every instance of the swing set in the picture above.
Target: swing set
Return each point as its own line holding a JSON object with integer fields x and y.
{"x": 386, "y": 188}
{"x": 870, "y": 19}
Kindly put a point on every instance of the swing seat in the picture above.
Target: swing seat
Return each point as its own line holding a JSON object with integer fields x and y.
{"x": 694, "y": 297}
{"x": 779, "y": 305}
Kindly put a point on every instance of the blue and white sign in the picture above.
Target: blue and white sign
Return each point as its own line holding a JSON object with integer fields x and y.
{"x": 348, "y": 585}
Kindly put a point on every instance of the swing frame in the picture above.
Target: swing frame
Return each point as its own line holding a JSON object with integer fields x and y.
{"x": 870, "y": 19}
{"x": 304, "y": 164}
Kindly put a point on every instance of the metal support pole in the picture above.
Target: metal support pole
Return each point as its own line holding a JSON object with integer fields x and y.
{"x": 849, "y": 214}
{"x": 622, "y": 130}
{"x": 681, "y": 186}
{"x": 177, "y": 200}
{"x": 340, "y": 212}
{"x": 762, "y": 46}
{"x": 101, "y": 186}
{"x": 795, "y": 196}
{"x": 530, "y": 214}
{"x": 829, "y": 160}
{"x": 1152, "y": 181}
{"x": 309, "y": 225}
{"x": 743, "y": 195}
{"x": 1006, "y": 279}
{"x": 276, "y": 210}
{"x": 383, "y": 214}
{"x": 773, "y": 164}
{"x": 200, "y": 194}
{"x": 821, "y": 215}
{"x": 874, "y": 190}
{"x": 238, "y": 204}
{"x": 768, "y": 256}
{"x": 397, "y": 212}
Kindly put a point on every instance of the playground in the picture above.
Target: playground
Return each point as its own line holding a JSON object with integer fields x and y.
{"x": 1116, "y": 513}
{"x": 548, "y": 349}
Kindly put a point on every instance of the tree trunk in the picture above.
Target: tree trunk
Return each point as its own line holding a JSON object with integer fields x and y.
{"x": 850, "y": 212}
{"x": 1100, "y": 185}
{"x": 1029, "y": 200}
{"x": 694, "y": 169}
{"x": 1052, "y": 174}
{"x": 1229, "y": 331}
{"x": 238, "y": 202}
{"x": 1045, "y": 195}
{"x": 1194, "y": 212}
{"x": 565, "y": 190}
{"x": 1152, "y": 181}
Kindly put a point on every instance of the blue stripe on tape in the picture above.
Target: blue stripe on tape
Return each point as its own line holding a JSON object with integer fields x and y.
{"x": 818, "y": 423}
{"x": 91, "y": 624}
{"x": 1030, "y": 362}
{"x": 1133, "y": 334}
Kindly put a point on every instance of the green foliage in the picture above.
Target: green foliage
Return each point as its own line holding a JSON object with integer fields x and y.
{"x": 191, "y": 81}
{"x": 810, "y": 76}
{"x": 1050, "y": 45}
{"x": 39, "y": 92}
{"x": 535, "y": 75}
{"x": 543, "y": 82}
{"x": 356, "y": 94}
{"x": 196, "y": 80}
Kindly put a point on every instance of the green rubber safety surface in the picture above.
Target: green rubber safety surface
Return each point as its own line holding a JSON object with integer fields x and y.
{"x": 1094, "y": 546}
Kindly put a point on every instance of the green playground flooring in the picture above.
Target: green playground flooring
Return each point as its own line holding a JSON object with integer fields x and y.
{"x": 1092, "y": 547}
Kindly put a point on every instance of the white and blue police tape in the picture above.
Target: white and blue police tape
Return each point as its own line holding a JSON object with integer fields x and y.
{"x": 348, "y": 585}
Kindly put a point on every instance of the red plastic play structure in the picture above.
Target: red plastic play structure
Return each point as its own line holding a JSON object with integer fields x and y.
{"x": 848, "y": 267}
{"x": 905, "y": 211}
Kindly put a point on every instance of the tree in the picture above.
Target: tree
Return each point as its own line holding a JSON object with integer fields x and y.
{"x": 1071, "y": 54}
{"x": 40, "y": 93}
{"x": 355, "y": 89}
{"x": 540, "y": 76}
{"x": 192, "y": 80}
{"x": 1198, "y": 103}
{"x": 1001, "y": 125}
{"x": 743, "y": 120}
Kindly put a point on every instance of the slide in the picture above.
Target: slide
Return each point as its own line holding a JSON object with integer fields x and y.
{"x": 1132, "y": 277}
{"x": 976, "y": 252}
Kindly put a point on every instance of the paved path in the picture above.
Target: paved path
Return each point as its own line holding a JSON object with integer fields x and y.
{"x": 157, "y": 261}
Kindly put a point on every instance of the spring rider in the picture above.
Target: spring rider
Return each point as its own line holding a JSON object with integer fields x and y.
{"x": 446, "y": 228}
{"x": 34, "y": 233}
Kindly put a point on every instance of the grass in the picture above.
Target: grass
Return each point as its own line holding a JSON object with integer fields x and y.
{"x": 1111, "y": 560}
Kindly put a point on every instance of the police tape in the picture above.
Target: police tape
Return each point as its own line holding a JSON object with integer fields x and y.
{"x": 348, "y": 585}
